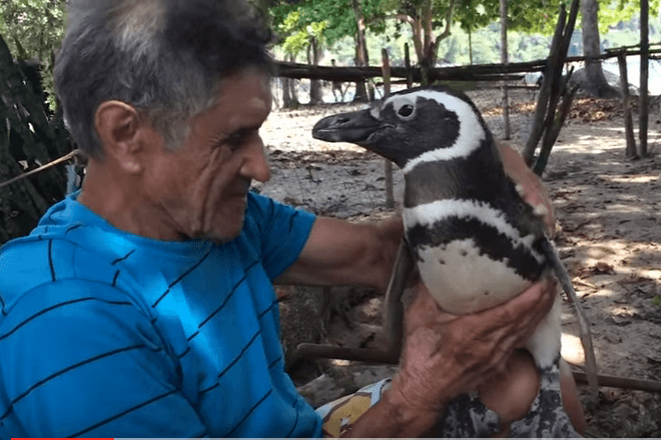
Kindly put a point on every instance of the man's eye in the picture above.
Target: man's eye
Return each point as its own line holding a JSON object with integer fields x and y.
{"x": 236, "y": 140}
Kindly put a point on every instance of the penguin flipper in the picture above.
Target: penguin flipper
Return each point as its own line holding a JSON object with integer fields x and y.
{"x": 394, "y": 308}
{"x": 584, "y": 325}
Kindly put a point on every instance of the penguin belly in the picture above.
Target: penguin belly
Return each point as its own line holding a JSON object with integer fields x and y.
{"x": 545, "y": 342}
{"x": 470, "y": 256}
{"x": 464, "y": 280}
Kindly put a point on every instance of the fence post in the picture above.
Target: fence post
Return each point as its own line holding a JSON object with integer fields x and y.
{"x": 385, "y": 68}
{"x": 504, "y": 60}
{"x": 407, "y": 63}
{"x": 644, "y": 76}
{"x": 630, "y": 152}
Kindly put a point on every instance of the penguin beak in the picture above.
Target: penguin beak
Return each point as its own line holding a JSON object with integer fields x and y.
{"x": 354, "y": 127}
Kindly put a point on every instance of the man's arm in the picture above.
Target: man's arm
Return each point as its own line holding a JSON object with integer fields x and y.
{"x": 339, "y": 252}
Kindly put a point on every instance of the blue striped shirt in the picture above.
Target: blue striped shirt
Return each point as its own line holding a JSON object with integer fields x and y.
{"x": 107, "y": 334}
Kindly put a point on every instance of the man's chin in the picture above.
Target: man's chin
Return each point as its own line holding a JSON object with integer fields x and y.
{"x": 227, "y": 235}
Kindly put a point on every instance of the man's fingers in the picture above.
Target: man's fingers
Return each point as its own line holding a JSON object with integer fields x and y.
{"x": 517, "y": 315}
{"x": 424, "y": 310}
{"x": 536, "y": 300}
{"x": 531, "y": 188}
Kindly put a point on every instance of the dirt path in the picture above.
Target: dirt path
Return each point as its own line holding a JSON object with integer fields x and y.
{"x": 609, "y": 236}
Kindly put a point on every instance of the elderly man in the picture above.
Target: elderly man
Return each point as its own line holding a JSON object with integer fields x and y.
{"x": 143, "y": 306}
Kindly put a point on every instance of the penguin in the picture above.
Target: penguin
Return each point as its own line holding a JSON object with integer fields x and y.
{"x": 475, "y": 241}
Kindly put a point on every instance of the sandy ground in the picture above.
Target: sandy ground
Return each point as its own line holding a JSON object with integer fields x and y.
{"x": 608, "y": 234}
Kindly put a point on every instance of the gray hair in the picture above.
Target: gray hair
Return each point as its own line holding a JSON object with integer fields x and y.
{"x": 166, "y": 58}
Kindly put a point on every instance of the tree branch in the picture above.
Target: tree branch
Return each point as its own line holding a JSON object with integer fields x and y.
{"x": 448, "y": 27}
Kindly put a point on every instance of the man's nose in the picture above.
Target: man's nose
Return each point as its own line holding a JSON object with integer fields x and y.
{"x": 255, "y": 165}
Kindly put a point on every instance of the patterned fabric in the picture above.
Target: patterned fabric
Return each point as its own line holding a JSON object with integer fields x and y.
{"x": 547, "y": 417}
{"x": 107, "y": 334}
{"x": 467, "y": 416}
{"x": 337, "y": 416}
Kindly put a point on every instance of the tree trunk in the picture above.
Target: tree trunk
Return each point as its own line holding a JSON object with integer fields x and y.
{"x": 428, "y": 48}
{"x": 361, "y": 49}
{"x": 504, "y": 59}
{"x": 470, "y": 47}
{"x": 644, "y": 76}
{"x": 595, "y": 81}
{"x": 407, "y": 65}
{"x": 315, "y": 84}
{"x": 289, "y": 98}
{"x": 387, "y": 165}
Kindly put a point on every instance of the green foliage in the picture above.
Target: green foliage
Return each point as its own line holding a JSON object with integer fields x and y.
{"x": 288, "y": 19}
{"x": 527, "y": 18}
{"x": 475, "y": 14}
{"x": 531, "y": 25}
{"x": 297, "y": 26}
{"x": 328, "y": 21}
{"x": 612, "y": 12}
{"x": 34, "y": 29}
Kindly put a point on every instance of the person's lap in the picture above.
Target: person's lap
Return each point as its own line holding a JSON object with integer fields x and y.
{"x": 468, "y": 415}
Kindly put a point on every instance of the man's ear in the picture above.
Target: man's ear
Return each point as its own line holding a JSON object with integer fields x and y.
{"x": 119, "y": 127}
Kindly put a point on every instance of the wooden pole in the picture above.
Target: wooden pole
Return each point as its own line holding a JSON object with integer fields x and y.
{"x": 644, "y": 75}
{"x": 387, "y": 166}
{"x": 407, "y": 64}
{"x": 545, "y": 91}
{"x": 385, "y": 69}
{"x": 503, "y": 60}
{"x": 553, "y": 88}
{"x": 470, "y": 47}
{"x": 630, "y": 152}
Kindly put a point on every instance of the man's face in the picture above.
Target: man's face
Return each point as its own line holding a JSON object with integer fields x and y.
{"x": 200, "y": 190}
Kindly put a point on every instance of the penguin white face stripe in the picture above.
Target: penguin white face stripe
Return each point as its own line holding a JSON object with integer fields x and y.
{"x": 430, "y": 213}
{"x": 470, "y": 130}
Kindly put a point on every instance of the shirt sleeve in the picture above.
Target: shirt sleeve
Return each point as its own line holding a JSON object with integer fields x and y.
{"x": 80, "y": 359}
{"x": 281, "y": 232}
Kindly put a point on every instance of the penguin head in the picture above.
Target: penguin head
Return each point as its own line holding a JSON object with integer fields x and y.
{"x": 411, "y": 126}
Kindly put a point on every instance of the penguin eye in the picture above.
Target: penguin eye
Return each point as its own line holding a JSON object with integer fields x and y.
{"x": 405, "y": 111}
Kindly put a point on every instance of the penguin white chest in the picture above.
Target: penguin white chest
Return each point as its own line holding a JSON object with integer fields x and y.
{"x": 461, "y": 276}
{"x": 465, "y": 280}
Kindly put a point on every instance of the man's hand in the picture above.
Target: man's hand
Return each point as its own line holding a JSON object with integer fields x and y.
{"x": 532, "y": 189}
{"x": 445, "y": 355}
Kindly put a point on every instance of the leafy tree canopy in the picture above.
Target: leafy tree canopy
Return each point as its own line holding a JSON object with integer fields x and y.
{"x": 326, "y": 20}
{"x": 612, "y": 12}
{"x": 34, "y": 29}
{"x": 524, "y": 16}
